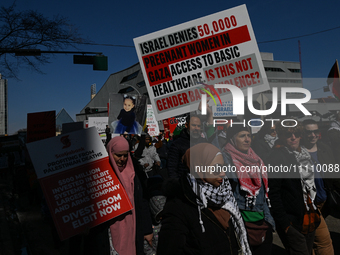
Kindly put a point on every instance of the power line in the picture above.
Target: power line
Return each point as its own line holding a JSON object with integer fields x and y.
{"x": 107, "y": 44}
{"x": 277, "y": 40}
{"x": 294, "y": 37}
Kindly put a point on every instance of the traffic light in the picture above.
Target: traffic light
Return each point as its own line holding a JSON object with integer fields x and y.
{"x": 99, "y": 62}
{"x": 91, "y": 110}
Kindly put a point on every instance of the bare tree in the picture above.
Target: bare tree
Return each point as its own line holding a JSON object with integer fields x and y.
{"x": 29, "y": 30}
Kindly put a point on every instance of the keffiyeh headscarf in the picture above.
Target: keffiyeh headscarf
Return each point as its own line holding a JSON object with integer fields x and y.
{"x": 250, "y": 181}
{"x": 221, "y": 196}
{"x": 335, "y": 125}
{"x": 306, "y": 173}
{"x": 270, "y": 140}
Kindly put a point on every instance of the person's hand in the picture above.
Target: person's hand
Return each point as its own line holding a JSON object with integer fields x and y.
{"x": 148, "y": 238}
{"x": 210, "y": 118}
{"x": 146, "y": 165}
{"x": 158, "y": 163}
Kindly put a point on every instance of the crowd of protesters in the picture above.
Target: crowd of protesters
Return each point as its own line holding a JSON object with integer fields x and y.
{"x": 179, "y": 210}
{"x": 235, "y": 212}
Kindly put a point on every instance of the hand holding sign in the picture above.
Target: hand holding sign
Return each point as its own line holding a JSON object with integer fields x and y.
{"x": 209, "y": 111}
{"x": 81, "y": 189}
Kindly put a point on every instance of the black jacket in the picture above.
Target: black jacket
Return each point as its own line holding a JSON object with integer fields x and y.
{"x": 181, "y": 232}
{"x": 334, "y": 139}
{"x": 127, "y": 118}
{"x": 178, "y": 148}
{"x": 285, "y": 194}
{"x": 325, "y": 156}
{"x": 143, "y": 216}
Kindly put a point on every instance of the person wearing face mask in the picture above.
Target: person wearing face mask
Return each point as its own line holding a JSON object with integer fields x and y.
{"x": 201, "y": 215}
{"x": 250, "y": 188}
{"x": 150, "y": 157}
{"x": 292, "y": 193}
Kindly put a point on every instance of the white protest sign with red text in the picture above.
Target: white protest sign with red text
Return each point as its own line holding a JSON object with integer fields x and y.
{"x": 178, "y": 61}
{"x": 153, "y": 129}
{"x": 78, "y": 182}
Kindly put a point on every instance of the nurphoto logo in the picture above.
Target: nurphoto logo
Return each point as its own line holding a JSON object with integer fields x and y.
{"x": 238, "y": 102}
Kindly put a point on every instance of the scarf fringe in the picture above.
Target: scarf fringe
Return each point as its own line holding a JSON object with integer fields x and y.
{"x": 200, "y": 218}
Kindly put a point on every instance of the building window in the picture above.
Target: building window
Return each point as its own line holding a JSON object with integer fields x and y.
{"x": 284, "y": 81}
{"x": 294, "y": 70}
{"x": 126, "y": 90}
{"x": 141, "y": 84}
{"x": 273, "y": 69}
{"x": 130, "y": 77}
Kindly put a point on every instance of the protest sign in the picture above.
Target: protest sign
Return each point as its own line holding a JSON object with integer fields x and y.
{"x": 224, "y": 110}
{"x": 178, "y": 61}
{"x": 40, "y": 125}
{"x": 176, "y": 124}
{"x": 153, "y": 129}
{"x": 73, "y": 126}
{"x": 100, "y": 124}
{"x": 166, "y": 127}
{"x": 127, "y": 113}
{"x": 78, "y": 182}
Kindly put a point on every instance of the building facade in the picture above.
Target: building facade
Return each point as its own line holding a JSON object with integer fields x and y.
{"x": 279, "y": 73}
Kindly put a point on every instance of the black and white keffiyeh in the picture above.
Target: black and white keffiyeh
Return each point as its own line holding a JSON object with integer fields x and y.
{"x": 270, "y": 140}
{"x": 306, "y": 173}
{"x": 335, "y": 125}
{"x": 222, "y": 197}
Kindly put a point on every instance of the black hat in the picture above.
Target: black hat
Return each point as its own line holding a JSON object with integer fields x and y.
{"x": 235, "y": 128}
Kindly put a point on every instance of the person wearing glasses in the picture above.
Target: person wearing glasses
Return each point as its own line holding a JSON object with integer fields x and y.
{"x": 250, "y": 186}
{"x": 292, "y": 190}
{"x": 201, "y": 215}
{"x": 264, "y": 140}
{"x": 321, "y": 154}
{"x": 128, "y": 231}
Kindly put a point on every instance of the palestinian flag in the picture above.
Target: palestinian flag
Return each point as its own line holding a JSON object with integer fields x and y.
{"x": 333, "y": 80}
